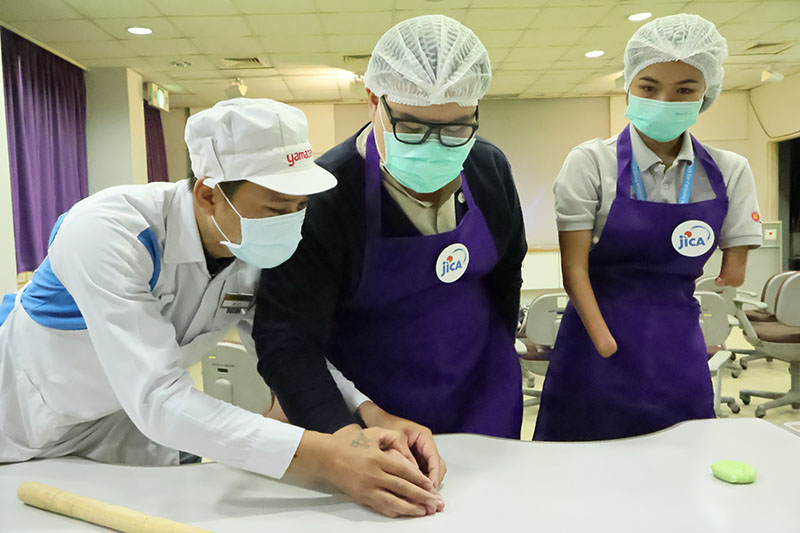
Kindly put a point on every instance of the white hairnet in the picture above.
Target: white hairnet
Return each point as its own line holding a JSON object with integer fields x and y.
{"x": 429, "y": 60}
{"x": 688, "y": 38}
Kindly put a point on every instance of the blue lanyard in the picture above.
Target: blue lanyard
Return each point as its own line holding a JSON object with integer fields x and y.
{"x": 638, "y": 186}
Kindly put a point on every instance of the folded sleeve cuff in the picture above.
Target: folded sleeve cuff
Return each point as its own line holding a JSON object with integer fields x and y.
{"x": 752, "y": 241}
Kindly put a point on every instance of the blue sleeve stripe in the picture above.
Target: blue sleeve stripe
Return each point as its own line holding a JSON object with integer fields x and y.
{"x": 148, "y": 238}
{"x": 48, "y": 302}
{"x": 6, "y": 306}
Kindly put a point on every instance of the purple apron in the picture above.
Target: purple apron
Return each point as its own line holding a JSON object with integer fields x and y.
{"x": 644, "y": 287}
{"x": 433, "y": 352}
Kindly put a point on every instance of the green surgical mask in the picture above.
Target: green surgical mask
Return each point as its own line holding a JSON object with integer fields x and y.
{"x": 425, "y": 167}
{"x": 659, "y": 120}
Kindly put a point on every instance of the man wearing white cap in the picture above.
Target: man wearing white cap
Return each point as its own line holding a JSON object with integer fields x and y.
{"x": 140, "y": 281}
{"x": 409, "y": 272}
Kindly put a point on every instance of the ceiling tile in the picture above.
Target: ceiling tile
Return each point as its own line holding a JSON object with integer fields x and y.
{"x": 118, "y": 27}
{"x": 770, "y": 12}
{"x": 260, "y": 7}
{"x": 570, "y": 17}
{"x": 314, "y": 88}
{"x": 507, "y": 3}
{"x": 405, "y": 14}
{"x": 511, "y": 82}
{"x": 288, "y": 44}
{"x": 91, "y": 50}
{"x": 720, "y": 12}
{"x": 151, "y": 47}
{"x": 273, "y": 88}
{"x": 96, "y": 9}
{"x": 520, "y": 55}
{"x": 338, "y": 6}
{"x": 135, "y": 63}
{"x": 229, "y": 46}
{"x": 304, "y": 64}
{"x": 63, "y": 30}
{"x": 352, "y": 44}
{"x": 198, "y": 62}
{"x": 786, "y": 32}
{"x": 270, "y": 25}
{"x": 500, "y": 19}
{"x": 543, "y": 37}
{"x": 743, "y": 31}
{"x": 190, "y": 74}
{"x": 222, "y": 26}
{"x": 189, "y": 8}
{"x": 499, "y": 38}
{"x": 618, "y": 15}
{"x": 341, "y": 23}
{"x": 15, "y": 10}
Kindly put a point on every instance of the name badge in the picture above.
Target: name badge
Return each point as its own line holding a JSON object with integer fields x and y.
{"x": 237, "y": 302}
{"x": 692, "y": 238}
{"x": 452, "y": 263}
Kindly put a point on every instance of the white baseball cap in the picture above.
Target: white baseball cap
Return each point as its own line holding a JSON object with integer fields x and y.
{"x": 258, "y": 140}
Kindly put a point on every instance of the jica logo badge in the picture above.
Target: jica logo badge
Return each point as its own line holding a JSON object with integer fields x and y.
{"x": 452, "y": 263}
{"x": 693, "y": 238}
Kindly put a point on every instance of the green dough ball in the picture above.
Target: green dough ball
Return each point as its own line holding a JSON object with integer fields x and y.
{"x": 734, "y": 471}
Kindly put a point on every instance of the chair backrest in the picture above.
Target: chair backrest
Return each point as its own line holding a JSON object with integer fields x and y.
{"x": 543, "y": 318}
{"x": 230, "y": 374}
{"x": 708, "y": 284}
{"x": 713, "y": 318}
{"x": 772, "y": 287}
{"x": 787, "y": 301}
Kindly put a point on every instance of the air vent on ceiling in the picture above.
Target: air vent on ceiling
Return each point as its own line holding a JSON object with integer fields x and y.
{"x": 240, "y": 63}
{"x": 766, "y": 48}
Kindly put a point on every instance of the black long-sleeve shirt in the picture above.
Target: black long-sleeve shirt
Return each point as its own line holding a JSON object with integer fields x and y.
{"x": 297, "y": 302}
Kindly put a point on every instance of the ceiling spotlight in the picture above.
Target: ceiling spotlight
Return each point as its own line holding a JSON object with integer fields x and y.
{"x": 636, "y": 17}
{"x": 138, "y": 30}
{"x": 237, "y": 89}
{"x": 180, "y": 63}
{"x": 595, "y": 53}
{"x": 771, "y": 76}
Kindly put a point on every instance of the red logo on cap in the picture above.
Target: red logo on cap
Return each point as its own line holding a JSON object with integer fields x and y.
{"x": 297, "y": 156}
{"x": 756, "y": 216}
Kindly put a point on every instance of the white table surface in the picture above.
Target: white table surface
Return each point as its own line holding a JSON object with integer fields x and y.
{"x": 661, "y": 482}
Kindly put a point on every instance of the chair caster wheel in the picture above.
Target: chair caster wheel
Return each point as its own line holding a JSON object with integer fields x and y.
{"x": 736, "y": 373}
{"x": 735, "y": 409}
{"x": 760, "y": 413}
{"x": 769, "y": 359}
{"x": 743, "y": 364}
{"x": 745, "y": 398}
{"x": 796, "y": 406}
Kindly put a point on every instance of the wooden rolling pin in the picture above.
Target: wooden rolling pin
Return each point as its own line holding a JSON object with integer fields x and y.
{"x": 97, "y": 512}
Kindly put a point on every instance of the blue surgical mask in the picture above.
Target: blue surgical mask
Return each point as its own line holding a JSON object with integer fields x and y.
{"x": 266, "y": 242}
{"x": 659, "y": 120}
{"x": 426, "y": 167}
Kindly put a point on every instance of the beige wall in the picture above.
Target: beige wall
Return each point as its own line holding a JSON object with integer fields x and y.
{"x": 174, "y": 123}
{"x": 115, "y": 141}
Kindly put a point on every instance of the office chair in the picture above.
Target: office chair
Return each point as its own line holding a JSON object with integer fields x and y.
{"x": 536, "y": 337}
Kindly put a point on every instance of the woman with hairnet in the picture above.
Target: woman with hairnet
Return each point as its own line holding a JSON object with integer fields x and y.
{"x": 638, "y": 217}
{"x": 409, "y": 273}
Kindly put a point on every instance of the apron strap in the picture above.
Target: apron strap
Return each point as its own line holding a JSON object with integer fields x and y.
{"x": 712, "y": 170}
{"x": 624, "y": 158}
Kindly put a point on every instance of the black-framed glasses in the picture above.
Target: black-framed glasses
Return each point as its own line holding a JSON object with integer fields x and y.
{"x": 413, "y": 131}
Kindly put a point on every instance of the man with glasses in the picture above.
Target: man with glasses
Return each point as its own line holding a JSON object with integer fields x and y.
{"x": 408, "y": 275}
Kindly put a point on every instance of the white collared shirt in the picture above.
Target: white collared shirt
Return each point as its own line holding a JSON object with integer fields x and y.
{"x": 587, "y": 185}
{"x": 138, "y": 335}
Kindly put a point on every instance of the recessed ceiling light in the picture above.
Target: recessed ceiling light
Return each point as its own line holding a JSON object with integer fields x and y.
{"x": 139, "y": 30}
{"x": 595, "y": 53}
{"x": 636, "y": 17}
{"x": 181, "y": 64}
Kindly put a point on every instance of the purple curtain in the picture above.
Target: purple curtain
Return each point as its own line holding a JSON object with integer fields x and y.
{"x": 46, "y": 119}
{"x": 156, "y": 148}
